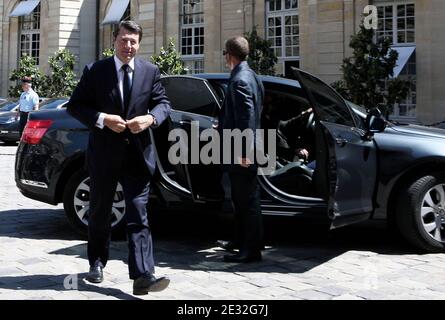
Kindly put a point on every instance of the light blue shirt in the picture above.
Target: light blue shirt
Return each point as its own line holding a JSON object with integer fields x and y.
{"x": 28, "y": 100}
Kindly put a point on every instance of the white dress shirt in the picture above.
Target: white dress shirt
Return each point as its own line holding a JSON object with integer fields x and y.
{"x": 120, "y": 83}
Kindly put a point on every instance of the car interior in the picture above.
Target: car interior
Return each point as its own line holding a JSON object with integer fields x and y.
{"x": 294, "y": 121}
{"x": 284, "y": 110}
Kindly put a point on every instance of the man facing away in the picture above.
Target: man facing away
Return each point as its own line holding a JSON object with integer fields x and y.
{"x": 29, "y": 101}
{"x": 118, "y": 99}
{"x": 242, "y": 110}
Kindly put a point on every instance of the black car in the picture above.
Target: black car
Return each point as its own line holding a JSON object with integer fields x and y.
{"x": 9, "y": 121}
{"x": 9, "y": 105}
{"x": 9, "y": 127}
{"x": 365, "y": 168}
{"x": 440, "y": 124}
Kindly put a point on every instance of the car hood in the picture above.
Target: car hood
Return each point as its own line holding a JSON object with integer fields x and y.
{"x": 411, "y": 129}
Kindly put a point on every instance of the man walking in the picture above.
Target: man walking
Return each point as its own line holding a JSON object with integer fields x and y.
{"x": 118, "y": 99}
{"x": 29, "y": 101}
{"x": 242, "y": 110}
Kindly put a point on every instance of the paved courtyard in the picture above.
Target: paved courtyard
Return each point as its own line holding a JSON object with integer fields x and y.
{"x": 41, "y": 257}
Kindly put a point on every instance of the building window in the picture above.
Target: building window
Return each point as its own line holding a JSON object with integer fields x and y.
{"x": 283, "y": 28}
{"x": 30, "y": 34}
{"x": 126, "y": 16}
{"x": 194, "y": 66}
{"x": 192, "y": 34}
{"x": 407, "y": 107}
{"x": 397, "y": 23}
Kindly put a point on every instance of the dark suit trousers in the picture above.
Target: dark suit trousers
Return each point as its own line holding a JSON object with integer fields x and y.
{"x": 245, "y": 193}
{"x": 22, "y": 122}
{"x": 135, "y": 179}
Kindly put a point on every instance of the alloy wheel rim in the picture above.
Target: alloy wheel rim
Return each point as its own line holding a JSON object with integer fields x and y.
{"x": 432, "y": 212}
{"x": 82, "y": 203}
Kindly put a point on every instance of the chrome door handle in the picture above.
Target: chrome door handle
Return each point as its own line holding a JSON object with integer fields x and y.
{"x": 341, "y": 141}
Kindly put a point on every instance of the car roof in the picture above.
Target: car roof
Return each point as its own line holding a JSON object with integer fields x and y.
{"x": 61, "y": 102}
{"x": 226, "y": 76}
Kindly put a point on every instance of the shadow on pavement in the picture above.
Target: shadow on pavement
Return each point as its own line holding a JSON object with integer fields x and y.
{"x": 185, "y": 243}
{"x": 187, "y": 240}
{"x": 37, "y": 224}
{"x": 63, "y": 282}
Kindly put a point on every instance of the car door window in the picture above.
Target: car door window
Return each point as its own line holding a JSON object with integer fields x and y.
{"x": 192, "y": 95}
{"x": 331, "y": 107}
{"x": 282, "y": 102}
{"x": 220, "y": 87}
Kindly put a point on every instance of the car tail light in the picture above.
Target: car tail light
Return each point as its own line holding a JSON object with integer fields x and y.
{"x": 34, "y": 130}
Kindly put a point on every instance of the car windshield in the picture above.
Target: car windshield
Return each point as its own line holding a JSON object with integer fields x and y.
{"x": 7, "y": 106}
{"x": 53, "y": 104}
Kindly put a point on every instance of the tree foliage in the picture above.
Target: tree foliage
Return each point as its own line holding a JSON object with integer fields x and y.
{"x": 60, "y": 82}
{"x": 262, "y": 58}
{"x": 27, "y": 68}
{"x": 367, "y": 75}
{"x": 108, "y": 52}
{"x": 169, "y": 60}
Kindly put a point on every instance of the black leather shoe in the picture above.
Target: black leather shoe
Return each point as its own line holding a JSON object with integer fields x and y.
{"x": 243, "y": 257}
{"x": 146, "y": 284}
{"x": 230, "y": 245}
{"x": 96, "y": 274}
{"x": 226, "y": 245}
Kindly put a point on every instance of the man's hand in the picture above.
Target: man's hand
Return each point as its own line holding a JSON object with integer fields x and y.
{"x": 139, "y": 124}
{"x": 303, "y": 154}
{"x": 114, "y": 122}
{"x": 244, "y": 162}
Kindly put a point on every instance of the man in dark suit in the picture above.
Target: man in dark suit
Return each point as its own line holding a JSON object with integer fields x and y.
{"x": 242, "y": 110}
{"x": 118, "y": 99}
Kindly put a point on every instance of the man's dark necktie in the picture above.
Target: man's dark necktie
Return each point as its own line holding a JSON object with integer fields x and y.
{"x": 126, "y": 88}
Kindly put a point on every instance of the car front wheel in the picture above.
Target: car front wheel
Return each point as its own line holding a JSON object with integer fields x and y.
{"x": 420, "y": 213}
{"x": 76, "y": 202}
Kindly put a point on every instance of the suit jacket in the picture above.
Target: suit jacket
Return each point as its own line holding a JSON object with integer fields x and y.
{"x": 98, "y": 92}
{"x": 293, "y": 134}
{"x": 243, "y": 102}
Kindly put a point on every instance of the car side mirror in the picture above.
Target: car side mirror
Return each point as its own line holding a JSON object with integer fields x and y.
{"x": 374, "y": 122}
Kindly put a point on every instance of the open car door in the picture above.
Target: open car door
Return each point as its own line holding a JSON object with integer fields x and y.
{"x": 346, "y": 171}
{"x": 195, "y": 109}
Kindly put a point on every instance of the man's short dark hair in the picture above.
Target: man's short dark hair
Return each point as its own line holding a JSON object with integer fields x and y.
{"x": 131, "y": 26}
{"x": 26, "y": 80}
{"x": 238, "y": 47}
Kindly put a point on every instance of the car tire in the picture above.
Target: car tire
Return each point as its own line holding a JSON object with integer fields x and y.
{"x": 420, "y": 212}
{"x": 76, "y": 204}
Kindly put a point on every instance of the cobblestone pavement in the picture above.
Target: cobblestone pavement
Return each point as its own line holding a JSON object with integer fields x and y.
{"x": 41, "y": 257}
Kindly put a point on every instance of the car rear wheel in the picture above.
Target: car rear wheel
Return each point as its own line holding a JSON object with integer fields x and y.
{"x": 76, "y": 202}
{"x": 420, "y": 212}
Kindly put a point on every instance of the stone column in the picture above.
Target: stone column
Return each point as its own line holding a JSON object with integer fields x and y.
{"x": 430, "y": 62}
